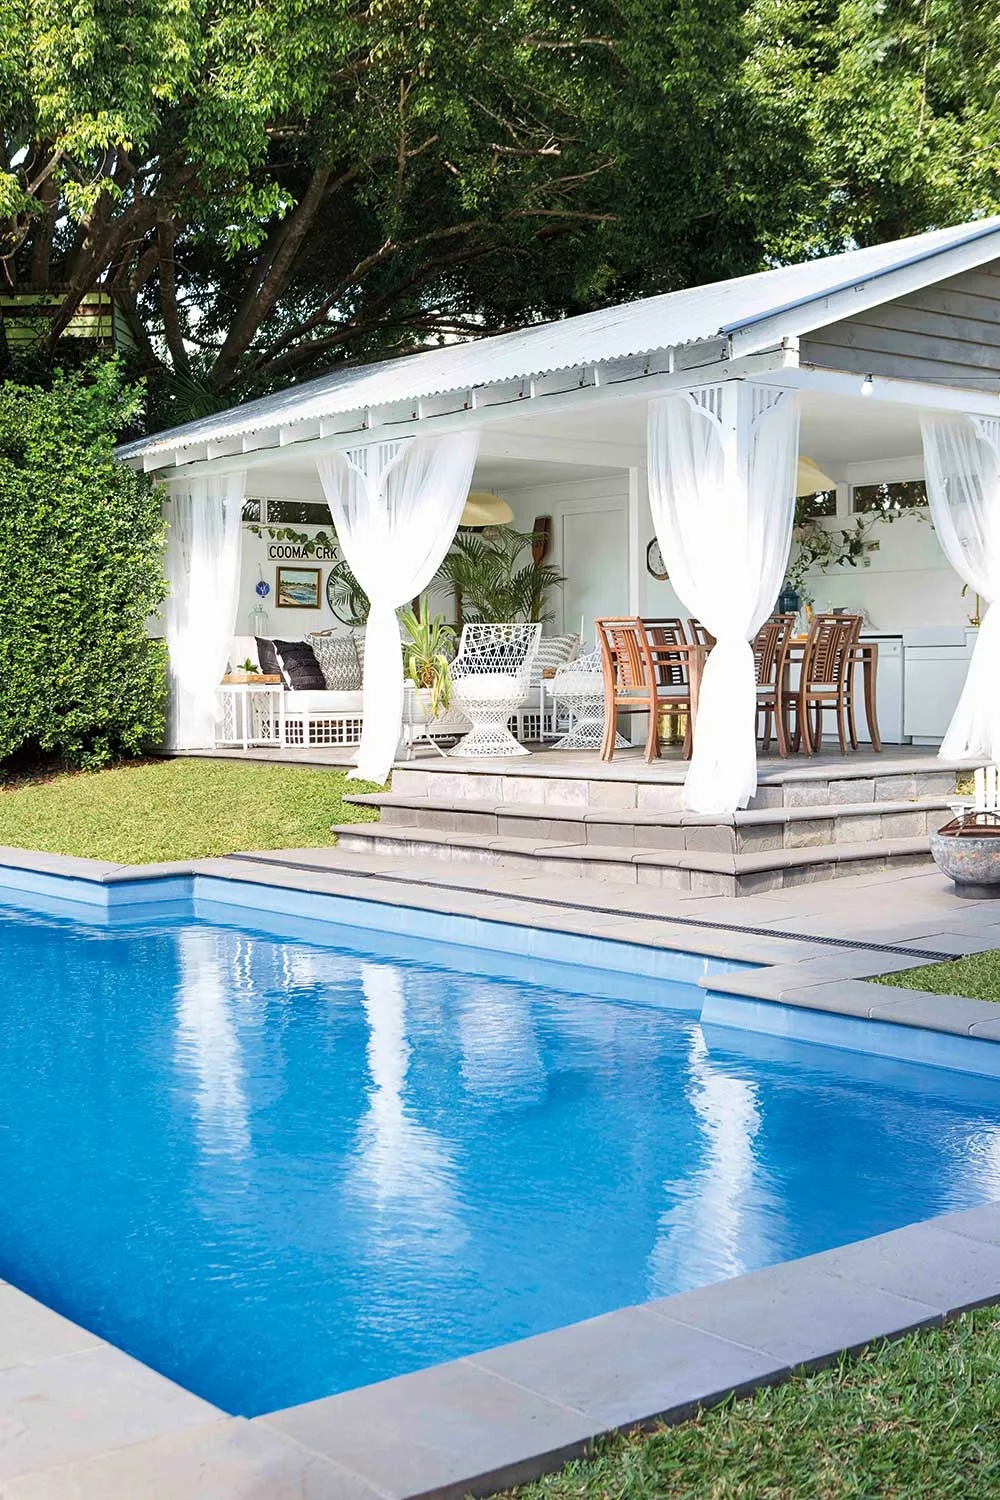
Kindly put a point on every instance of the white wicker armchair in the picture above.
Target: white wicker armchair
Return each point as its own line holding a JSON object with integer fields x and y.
{"x": 491, "y": 677}
{"x": 578, "y": 688}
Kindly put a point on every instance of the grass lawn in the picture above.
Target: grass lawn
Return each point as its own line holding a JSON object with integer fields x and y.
{"x": 177, "y": 809}
{"x": 977, "y": 975}
{"x": 915, "y": 1420}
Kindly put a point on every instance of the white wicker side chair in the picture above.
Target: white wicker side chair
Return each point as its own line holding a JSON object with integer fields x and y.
{"x": 578, "y": 688}
{"x": 491, "y": 677}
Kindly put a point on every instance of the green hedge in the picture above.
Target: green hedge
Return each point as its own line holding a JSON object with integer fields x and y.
{"x": 81, "y": 571}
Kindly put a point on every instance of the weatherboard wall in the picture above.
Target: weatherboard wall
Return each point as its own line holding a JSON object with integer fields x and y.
{"x": 948, "y": 333}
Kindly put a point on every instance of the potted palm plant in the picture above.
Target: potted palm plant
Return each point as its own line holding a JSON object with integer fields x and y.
{"x": 499, "y": 575}
{"x": 428, "y": 646}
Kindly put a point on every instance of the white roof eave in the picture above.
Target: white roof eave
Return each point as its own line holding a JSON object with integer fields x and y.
{"x": 740, "y": 317}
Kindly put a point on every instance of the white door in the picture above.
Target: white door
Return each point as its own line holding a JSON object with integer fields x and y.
{"x": 594, "y": 559}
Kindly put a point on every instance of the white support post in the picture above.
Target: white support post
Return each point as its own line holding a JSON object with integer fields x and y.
{"x": 636, "y": 496}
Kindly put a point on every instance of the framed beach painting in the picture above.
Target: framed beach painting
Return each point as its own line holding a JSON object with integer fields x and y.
{"x": 297, "y": 588}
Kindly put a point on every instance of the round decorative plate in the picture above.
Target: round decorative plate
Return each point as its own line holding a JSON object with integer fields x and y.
{"x": 346, "y": 600}
{"x": 654, "y": 562}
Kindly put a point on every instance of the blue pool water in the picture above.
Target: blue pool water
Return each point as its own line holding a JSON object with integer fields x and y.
{"x": 274, "y": 1170}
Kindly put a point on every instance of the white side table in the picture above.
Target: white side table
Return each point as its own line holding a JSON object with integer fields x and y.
{"x": 554, "y": 719}
{"x": 252, "y": 710}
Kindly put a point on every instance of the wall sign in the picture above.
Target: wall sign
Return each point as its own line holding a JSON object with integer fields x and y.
{"x": 296, "y": 552}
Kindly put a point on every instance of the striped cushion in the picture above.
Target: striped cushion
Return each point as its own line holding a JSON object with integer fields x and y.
{"x": 298, "y": 665}
{"x": 553, "y": 650}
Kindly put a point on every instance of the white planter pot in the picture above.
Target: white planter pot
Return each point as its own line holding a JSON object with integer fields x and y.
{"x": 418, "y": 713}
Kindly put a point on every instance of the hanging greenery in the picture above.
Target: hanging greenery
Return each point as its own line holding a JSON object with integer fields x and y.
{"x": 815, "y": 549}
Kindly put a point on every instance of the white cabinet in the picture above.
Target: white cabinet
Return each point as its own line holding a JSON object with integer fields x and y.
{"x": 935, "y": 663}
{"x": 888, "y": 690}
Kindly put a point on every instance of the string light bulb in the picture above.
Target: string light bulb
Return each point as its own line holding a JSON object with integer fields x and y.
{"x": 867, "y": 386}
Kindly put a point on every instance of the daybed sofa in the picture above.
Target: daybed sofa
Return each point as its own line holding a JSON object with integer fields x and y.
{"x": 321, "y": 686}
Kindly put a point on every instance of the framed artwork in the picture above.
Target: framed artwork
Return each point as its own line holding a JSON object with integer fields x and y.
{"x": 297, "y": 588}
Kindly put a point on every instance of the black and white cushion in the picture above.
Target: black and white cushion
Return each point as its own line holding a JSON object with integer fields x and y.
{"x": 553, "y": 651}
{"x": 337, "y": 656}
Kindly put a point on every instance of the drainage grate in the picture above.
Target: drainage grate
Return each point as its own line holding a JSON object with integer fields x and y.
{"x": 603, "y": 911}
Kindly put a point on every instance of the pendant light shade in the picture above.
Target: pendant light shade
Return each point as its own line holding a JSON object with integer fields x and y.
{"x": 484, "y": 509}
{"x": 811, "y": 478}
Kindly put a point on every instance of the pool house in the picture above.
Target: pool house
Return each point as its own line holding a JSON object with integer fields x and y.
{"x": 664, "y": 441}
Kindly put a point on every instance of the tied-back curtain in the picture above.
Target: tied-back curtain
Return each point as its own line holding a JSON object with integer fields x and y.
{"x": 204, "y": 533}
{"x": 395, "y": 507}
{"x": 723, "y": 511}
{"x": 962, "y": 473}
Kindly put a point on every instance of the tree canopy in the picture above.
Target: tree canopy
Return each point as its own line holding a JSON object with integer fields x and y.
{"x": 269, "y": 188}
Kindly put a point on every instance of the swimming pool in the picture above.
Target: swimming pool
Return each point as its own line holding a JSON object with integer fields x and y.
{"x": 277, "y": 1168}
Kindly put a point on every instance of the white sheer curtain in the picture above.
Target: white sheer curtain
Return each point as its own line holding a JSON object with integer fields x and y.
{"x": 204, "y": 533}
{"x": 395, "y": 507}
{"x": 962, "y": 471}
{"x": 724, "y": 524}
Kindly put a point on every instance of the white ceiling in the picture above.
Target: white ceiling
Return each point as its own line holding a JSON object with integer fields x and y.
{"x": 299, "y": 481}
{"x": 515, "y": 473}
{"x": 837, "y": 431}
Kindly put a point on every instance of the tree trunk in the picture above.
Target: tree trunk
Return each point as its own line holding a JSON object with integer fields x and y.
{"x": 168, "y": 298}
{"x": 264, "y": 290}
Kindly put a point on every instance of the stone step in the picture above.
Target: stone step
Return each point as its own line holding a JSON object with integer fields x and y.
{"x": 659, "y": 788}
{"x": 705, "y": 872}
{"x": 753, "y": 831}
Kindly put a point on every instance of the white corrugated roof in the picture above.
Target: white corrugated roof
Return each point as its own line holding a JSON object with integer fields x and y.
{"x": 631, "y": 328}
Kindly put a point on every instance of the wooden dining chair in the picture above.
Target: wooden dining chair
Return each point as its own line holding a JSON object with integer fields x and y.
{"x": 647, "y": 670}
{"x": 671, "y": 625}
{"x": 770, "y": 658}
{"x": 700, "y": 635}
{"x": 824, "y": 681}
{"x": 864, "y": 658}
{"x": 665, "y": 633}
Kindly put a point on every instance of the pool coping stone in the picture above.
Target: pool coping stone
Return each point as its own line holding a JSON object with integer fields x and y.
{"x": 788, "y": 971}
{"x": 501, "y": 1417}
{"x": 420, "y": 1436}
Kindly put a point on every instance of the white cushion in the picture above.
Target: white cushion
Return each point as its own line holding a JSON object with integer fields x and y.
{"x": 318, "y": 703}
{"x": 578, "y": 682}
{"x": 488, "y": 687}
{"x": 243, "y": 648}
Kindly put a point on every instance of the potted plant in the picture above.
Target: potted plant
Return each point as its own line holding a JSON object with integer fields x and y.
{"x": 499, "y": 575}
{"x": 245, "y": 671}
{"x": 428, "y": 646}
